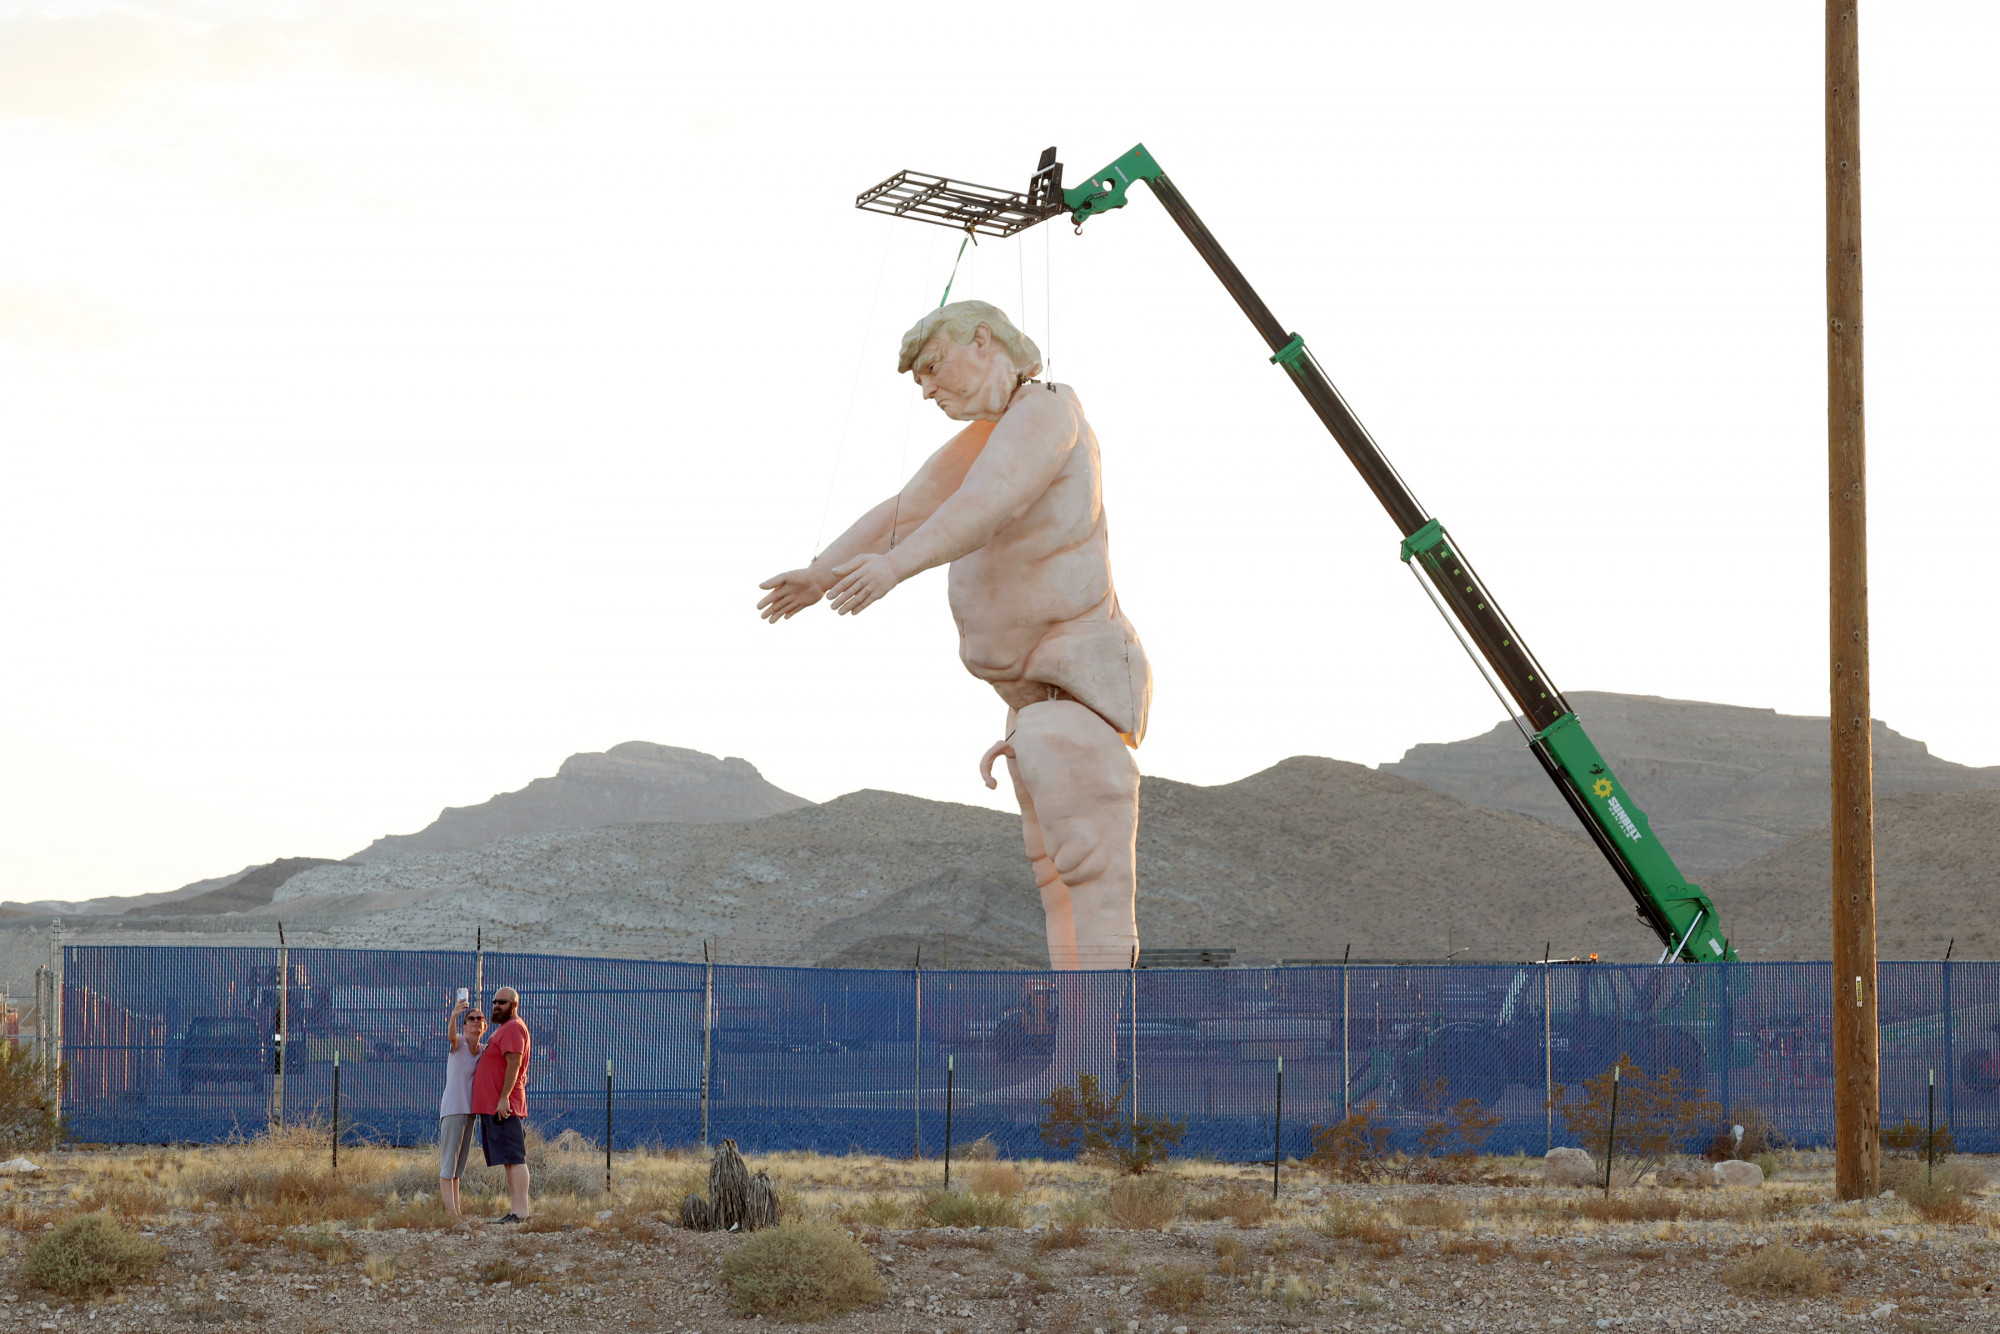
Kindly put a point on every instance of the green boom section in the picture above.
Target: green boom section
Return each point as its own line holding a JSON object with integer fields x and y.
{"x": 1689, "y": 914}
{"x": 1677, "y": 911}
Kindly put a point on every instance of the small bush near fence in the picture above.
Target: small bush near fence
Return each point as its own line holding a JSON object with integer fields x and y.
{"x": 800, "y": 1271}
{"x": 1082, "y": 1119}
{"x": 1656, "y": 1116}
{"x": 89, "y": 1257}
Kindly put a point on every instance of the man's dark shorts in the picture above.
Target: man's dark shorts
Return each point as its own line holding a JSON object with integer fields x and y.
{"x": 505, "y": 1143}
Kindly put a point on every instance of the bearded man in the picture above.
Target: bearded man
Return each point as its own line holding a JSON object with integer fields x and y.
{"x": 1014, "y": 504}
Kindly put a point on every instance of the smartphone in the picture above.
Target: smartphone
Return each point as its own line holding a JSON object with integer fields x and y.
{"x": 463, "y": 995}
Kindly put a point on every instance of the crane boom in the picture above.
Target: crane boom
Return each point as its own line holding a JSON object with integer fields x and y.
{"x": 1678, "y": 912}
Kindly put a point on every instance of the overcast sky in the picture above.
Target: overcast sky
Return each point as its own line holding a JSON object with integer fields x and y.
{"x": 397, "y": 398}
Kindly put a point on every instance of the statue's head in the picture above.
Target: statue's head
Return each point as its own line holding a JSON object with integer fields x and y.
{"x": 970, "y": 358}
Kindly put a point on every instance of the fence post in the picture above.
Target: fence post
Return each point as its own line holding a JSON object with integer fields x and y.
{"x": 336, "y": 1109}
{"x": 1278, "y": 1129}
{"x": 1611, "y": 1135}
{"x": 56, "y": 1010}
{"x": 1950, "y": 1066}
{"x": 1133, "y": 1055}
{"x": 1930, "y": 1136}
{"x": 607, "y": 1125}
{"x": 707, "y": 1033}
{"x": 1548, "y": 1056}
{"x": 949, "y": 1063}
{"x": 278, "y": 1031}
{"x": 1346, "y": 1069}
{"x": 917, "y": 1068}
{"x": 479, "y": 967}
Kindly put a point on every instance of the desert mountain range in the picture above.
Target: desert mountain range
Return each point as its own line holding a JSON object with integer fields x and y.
{"x": 648, "y": 850}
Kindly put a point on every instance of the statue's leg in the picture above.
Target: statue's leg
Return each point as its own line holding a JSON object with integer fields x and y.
{"x": 1078, "y": 777}
{"x": 1055, "y": 894}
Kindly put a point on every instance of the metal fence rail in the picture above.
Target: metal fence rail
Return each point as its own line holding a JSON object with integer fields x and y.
{"x": 172, "y": 1044}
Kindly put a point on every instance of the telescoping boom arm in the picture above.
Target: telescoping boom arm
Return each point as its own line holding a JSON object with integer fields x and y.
{"x": 1679, "y": 913}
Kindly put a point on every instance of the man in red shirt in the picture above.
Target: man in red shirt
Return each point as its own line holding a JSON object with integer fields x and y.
{"x": 500, "y": 1098}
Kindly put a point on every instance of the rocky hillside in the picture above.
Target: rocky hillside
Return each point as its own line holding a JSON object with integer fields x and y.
{"x": 633, "y": 782}
{"x": 1723, "y": 785}
{"x": 1937, "y": 879}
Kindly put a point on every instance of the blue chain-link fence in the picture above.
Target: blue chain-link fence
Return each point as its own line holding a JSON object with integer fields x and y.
{"x": 170, "y": 1045}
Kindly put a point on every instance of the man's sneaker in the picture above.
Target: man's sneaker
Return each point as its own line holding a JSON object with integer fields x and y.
{"x": 510, "y": 1218}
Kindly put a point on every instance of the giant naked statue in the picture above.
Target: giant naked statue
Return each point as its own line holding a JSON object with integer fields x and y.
{"x": 1014, "y": 503}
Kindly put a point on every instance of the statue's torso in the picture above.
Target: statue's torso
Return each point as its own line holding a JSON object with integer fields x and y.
{"x": 1036, "y": 607}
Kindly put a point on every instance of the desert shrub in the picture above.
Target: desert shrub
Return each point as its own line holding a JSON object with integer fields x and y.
{"x": 994, "y": 1178}
{"x": 1352, "y": 1149}
{"x": 1429, "y": 1211}
{"x": 1448, "y": 1148}
{"x": 1910, "y": 1139}
{"x": 1484, "y": 1250}
{"x": 1642, "y": 1208}
{"x": 1760, "y": 1137}
{"x": 1656, "y": 1116}
{"x": 875, "y": 1211}
{"x": 1230, "y": 1256}
{"x": 88, "y": 1256}
{"x": 1940, "y": 1194}
{"x": 800, "y": 1271}
{"x": 1352, "y": 1223}
{"x": 1063, "y": 1237}
{"x": 1779, "y": 1270}
{"x": 28, "y": 1117}
{"x": 952, "y": 1208}
{"x": 1767, "y": 1163}
{"x": 1243, "y": 1205}
{"x": 1298, "y": 1291}
{"x": 379, "y": 1268}
{"x": 1083, "y": 1119}
{"x": 322, "y": 1242}
{"x": 1078, "y": 1210}
{"x": 513, "y": 1272}
{"x": 1145, "y": 1203}
{"x": 1175, "y": 1287}
{"x": 980, "y": 1150}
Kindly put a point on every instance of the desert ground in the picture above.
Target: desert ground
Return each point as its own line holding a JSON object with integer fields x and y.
{"x": 268, "y": 1235}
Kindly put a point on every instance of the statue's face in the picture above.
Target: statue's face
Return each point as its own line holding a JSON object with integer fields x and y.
{"x": 969, "y": 381}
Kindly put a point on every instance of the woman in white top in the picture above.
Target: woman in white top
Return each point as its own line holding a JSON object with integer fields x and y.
{"x": 455, "y": 1118}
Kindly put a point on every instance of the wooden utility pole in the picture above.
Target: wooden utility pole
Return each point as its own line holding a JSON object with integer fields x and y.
{"x": 1857, "y": 1109}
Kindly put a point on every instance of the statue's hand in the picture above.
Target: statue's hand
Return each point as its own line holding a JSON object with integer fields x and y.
{"x": 862, "y": 581}
{"x": 791, "y": 593}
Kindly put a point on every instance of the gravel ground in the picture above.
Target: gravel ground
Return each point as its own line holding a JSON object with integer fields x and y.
{"x": 1523, "y": 1260}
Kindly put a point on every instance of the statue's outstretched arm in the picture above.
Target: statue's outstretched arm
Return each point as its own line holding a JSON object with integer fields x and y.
{"x": 879, "y": 529}
{"x": 1019, "y": 461}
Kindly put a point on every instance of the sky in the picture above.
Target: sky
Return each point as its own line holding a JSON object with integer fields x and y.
{"x": 396, "y": 398}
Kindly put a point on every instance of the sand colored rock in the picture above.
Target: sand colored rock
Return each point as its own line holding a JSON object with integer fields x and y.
{"x": 1569, "y": 1167}
{"x": 1733, "y": 1173}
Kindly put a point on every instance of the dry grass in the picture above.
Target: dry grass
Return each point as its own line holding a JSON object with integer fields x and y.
{"x": 1063, "y": 1237}
{"x": 1231, "y": 1257}
{"x": 1351, "y": 1223}
{"x": 951, "y": 1208}
{"x": 1779, "y": 1270}
{"x": 1243, "y": 1205}
{"x": 994, "y": 1178}
{"x": 1433, "y": 1212}
{"x": 1940, "y": 1194}
{"x": 800, "y": 1271}
{"x": 1145, "y": 1204}
{"x": 1175, "y": 1287}
{"x": 88, "y": 1256}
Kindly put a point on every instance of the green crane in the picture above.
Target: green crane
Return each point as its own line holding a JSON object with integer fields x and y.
{"x": 1679, "y": 913}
